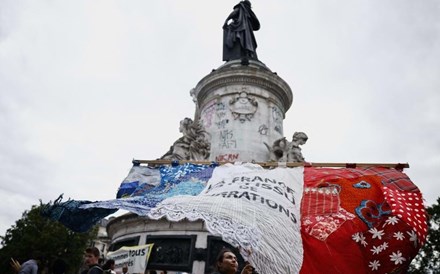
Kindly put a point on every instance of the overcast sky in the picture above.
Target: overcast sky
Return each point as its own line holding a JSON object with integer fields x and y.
{"x": 86, "y": 86}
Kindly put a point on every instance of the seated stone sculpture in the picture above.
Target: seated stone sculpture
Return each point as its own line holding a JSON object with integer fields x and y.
{"x": 285, "y": 151}
{"x": 193, "y": 145}
{"x": 294, "y": 151}
{"x": 278, "y": 151}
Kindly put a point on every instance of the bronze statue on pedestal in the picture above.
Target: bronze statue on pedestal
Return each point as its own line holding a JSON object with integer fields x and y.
{"x": 238, "y": 35}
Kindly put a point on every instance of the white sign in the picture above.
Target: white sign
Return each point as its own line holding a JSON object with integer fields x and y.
{"x": 134, "y": 257}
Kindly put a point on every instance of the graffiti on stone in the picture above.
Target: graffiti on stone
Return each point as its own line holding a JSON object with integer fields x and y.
{"x": 221, "y": 115}
{"x": 208, "y": 114}
{"x": 227, "y": 139}
{"x": 222, "y": 123}
{"x": 221, "y": 107}
{"x": 263, "y": 129}
{"x": 277, "y": 119}
{"x": 230, "y": 157}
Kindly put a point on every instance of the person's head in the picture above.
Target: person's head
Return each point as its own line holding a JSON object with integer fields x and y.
{"x": 91, "y": 256}
{"x": 226, "y": 262}
{"x": 38, "y": 257}
{"x": 109, "y": 264}
{"x": 125, "y": 269}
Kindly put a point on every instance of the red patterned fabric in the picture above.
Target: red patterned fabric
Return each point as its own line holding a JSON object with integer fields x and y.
{"x": 337, "y": 254}
{"x": 389, "y": 247}
{"x": 360, "y": 220}
{"x": 408, "y": 206}
{"x": 319, "y": 201}
{"x": 392, "y": 177}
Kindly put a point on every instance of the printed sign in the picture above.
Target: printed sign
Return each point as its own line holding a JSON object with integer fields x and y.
{"x": 134, "y": 257}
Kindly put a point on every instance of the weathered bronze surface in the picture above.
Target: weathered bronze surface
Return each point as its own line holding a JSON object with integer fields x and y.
{"x": 238, "y": 33}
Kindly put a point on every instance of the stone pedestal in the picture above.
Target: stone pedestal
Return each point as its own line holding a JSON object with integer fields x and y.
{"x": 242, "y": 108}
{"x": 178, "y": 246}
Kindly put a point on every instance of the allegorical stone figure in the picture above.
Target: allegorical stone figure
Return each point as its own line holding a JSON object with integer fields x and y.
{"x": 285, "y": 151}
{"x": 294, "y": 153}
{"x": 193, "y": 145}
{"x": 238, "y": 34}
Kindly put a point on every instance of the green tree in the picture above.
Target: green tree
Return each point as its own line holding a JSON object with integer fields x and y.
{"x": 36, "y": 234}
{"x": 428, "y": 259}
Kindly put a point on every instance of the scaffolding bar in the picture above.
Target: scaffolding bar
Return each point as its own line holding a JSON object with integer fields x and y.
{"x": 398, "y": 166}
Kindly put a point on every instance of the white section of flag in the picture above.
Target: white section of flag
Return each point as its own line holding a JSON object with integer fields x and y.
{"x": 255, "y": 209}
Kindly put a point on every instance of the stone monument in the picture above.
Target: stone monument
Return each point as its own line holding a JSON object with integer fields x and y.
{"x": 239, "y": 113}
{"x": 242, "y": 107}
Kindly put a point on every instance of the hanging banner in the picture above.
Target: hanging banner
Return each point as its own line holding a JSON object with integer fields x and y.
{"x": 355, "y": 220}
{"x": 134, "y": 257}
{"x": 255, "y": 209}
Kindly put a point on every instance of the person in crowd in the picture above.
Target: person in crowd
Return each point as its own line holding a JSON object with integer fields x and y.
{"x": 30, "y": 266}
{"x": 125, "y": 269}
{"x": 109, "y": 267}
{"x": 91, "y": 259}
{"x": 15, "y": 265}
{"x": 226, "y": 263}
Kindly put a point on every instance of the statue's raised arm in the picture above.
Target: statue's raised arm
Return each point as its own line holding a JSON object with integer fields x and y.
{"x": 238, "y": 33}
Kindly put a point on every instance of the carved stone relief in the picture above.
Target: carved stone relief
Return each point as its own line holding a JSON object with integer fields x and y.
{"x": 243, "y": 107}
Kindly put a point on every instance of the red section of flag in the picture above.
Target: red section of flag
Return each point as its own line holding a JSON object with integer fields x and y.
{"x": 320, "y": 201}
{"x": 383, "y": 227}
{"x": 409, "y": 207}
{"x": 389, "y": 247}
{"x": 337, "y": 254}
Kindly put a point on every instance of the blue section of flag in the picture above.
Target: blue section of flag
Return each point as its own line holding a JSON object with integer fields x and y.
{"x": 127, "y": 189}
{"x": 141, "y": 190}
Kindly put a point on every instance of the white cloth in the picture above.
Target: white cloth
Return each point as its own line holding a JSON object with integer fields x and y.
{"x": 255, "y": 209}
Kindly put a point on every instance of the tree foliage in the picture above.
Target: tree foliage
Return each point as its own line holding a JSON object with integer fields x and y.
{"x": 34, "y": 234}
{"x": 428, "y": 259}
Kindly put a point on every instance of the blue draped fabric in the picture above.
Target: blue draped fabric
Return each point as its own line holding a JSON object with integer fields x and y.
{"x": 139, "y": 178}
{"x": 72, "y": 216}
{"x": 142, "y": 189}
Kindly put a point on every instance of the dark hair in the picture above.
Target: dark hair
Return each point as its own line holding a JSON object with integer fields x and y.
{"x": 93, "y": 250}
{"x": 220, "y": 256}
{"x": 38, "y": 256}
{"x": 108, "y": 264}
